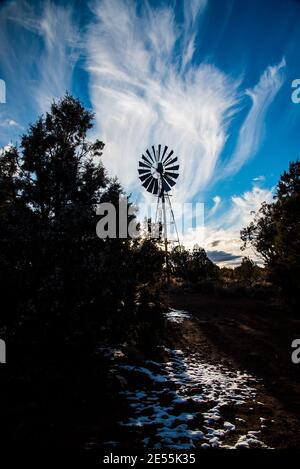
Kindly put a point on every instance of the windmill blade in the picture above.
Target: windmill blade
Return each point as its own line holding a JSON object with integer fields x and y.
{"x": 147, "y": 181}
{"x": 147, "y": 160}
{"x": 145, "y": 176}
{"x": 165, "y": 185}
{"x": 171, "y": 175}
{"x": 144, "y": 171}
{"x": 168, "y": 180}
{"x": 159, "y": 149}
{"x": 154, "y": 153}
{"x": 151, "y": 185}
{"x": 150, "y": 156}
{"x": 173, "y": 168}
{"x": 170, "y": 162}
{"x": 143, "y": 165}
{"x": 168, "y": 157}
{"x": 165, "y": 151}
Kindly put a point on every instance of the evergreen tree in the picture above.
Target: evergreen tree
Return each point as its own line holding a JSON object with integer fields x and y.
{"x": 275, "y": 232}
{"x": 54, "y": 268}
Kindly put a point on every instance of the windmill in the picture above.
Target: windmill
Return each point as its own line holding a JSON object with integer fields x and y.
{"x": 158, "y": 172}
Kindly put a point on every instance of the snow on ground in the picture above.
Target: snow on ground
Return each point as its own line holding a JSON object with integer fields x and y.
{"x": 177, "y": 316}
{"x": 181, "y": 405}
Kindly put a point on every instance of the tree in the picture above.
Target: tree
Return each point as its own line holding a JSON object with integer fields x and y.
{"x": 275, "y": 232}
{"x": 200, "y": 266}
{"x": 247, "y": 273}
{"x": 194, "y": 266}
{"x": 54, "y": 268}
{"x": 179, "y": 259}
{"x": 64, "y": 288}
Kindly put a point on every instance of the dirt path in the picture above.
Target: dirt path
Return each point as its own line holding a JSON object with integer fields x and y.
{"x": 279, "y": 427}
{"x": 195, "y": 397}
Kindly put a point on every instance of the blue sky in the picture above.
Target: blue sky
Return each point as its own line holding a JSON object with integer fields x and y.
{"x": 209, "y": 78}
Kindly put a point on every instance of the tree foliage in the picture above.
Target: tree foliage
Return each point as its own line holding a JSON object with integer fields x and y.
{"x": 192, "y": 265}
{"x": 54, "y": 268}
{"x": 248, "y": 273}
{"x": 275, "y": 232}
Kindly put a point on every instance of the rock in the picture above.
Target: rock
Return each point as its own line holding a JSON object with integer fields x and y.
{"x": 229, "y": 426}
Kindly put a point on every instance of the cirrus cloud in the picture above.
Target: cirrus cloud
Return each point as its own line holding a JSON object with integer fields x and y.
{"x": 142, "y": 96}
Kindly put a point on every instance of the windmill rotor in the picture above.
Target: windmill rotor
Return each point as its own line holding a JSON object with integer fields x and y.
{"x": 158, "y": 170}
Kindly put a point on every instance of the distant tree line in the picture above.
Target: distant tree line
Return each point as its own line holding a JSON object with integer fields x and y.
{"x": 194, "y": 267}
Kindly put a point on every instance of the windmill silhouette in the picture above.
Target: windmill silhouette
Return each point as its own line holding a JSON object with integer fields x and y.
{"x": 158, "y": 172}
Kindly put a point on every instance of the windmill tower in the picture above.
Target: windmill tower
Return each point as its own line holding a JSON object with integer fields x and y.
{"x": 158, "y": 172}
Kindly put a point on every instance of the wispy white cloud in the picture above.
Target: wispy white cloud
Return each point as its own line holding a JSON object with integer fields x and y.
{"x": 192, "y": 11}
{"x": 259, "y": 179}
{"x": 39, "y": 49}
{"x": 217, "y": 200}
{"x": 142, "y": 97}
{"x": 9, "y": 122}
{"x": 252, "y": 130}
{"x": 60, "y": 36}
